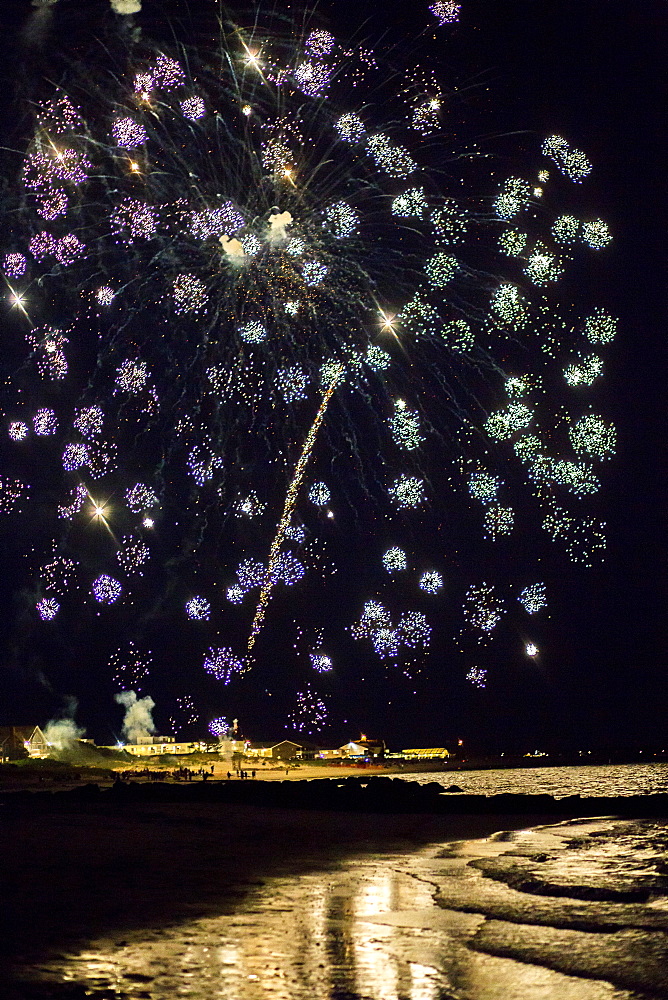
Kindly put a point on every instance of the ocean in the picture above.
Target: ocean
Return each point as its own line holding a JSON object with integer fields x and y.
{"x": 606, "y": 779}
{"x": 571, "y": 911}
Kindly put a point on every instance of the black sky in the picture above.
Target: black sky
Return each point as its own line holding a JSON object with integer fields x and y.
{"x": 594, "y": 72}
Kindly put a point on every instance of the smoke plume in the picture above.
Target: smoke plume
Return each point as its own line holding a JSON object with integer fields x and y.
{"x": 61, "y": 733}
{"x": 138, "y": 719}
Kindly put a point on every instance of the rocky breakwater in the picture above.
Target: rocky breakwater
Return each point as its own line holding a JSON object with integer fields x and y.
{"x": 351, "y": 794}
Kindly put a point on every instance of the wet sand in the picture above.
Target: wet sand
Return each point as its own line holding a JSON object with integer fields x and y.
{"x": 88, "y": 869}
{"x": 139, "y": 900}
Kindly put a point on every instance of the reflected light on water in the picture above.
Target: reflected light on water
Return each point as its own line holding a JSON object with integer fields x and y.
{"x": 306, "y": 937}
{"x": 364, "y": 929}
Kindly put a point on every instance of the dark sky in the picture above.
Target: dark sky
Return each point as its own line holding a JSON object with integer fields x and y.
{"x": 592, "y": 71}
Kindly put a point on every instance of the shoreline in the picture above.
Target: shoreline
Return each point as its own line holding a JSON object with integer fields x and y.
{"x": 120, "y": 888}
{"x": 103, "y": 863}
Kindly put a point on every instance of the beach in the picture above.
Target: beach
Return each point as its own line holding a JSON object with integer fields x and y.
{"x": 126, "y": 896}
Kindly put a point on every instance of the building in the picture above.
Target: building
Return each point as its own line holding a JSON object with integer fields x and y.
{"x": 364, "y": 749}
{"x": 151, "y": 746}
{"x": 427, "y": 754}
{"x": 283, "y": 750}
{"x": 21, "y": 741}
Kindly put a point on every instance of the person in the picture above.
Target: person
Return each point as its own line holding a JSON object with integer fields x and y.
{"x": 228, "y": 775}
{"x": 252, "y": 774}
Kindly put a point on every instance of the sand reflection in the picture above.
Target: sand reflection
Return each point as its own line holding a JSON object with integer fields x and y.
{"x": 364, "y": 930}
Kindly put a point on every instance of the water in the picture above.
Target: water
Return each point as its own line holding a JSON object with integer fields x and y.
{"x": 573, "y": 911}
{"x": 607, "y": 779}
{"x": 421, "y": 926}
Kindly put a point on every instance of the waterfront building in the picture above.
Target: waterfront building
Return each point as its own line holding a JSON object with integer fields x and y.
{"x": 150, "y": 746}
{"x": 282, "y": 750}
{"x": 22, "y": 741}
{"x": 432, "y": 753}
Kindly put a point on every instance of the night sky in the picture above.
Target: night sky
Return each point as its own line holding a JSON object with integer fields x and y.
{"x": 592, "y": 71}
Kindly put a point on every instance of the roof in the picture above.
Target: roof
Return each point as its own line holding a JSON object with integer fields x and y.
{"x": 275, "y": 743}
{"x": 19, "y": 732}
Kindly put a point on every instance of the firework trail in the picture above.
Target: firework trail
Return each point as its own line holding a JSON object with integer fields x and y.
{"x": 290, "y": 501}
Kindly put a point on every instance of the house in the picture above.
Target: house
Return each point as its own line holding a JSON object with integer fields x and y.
{"x": 283, "y": 750}
{"x": 364, "y": 748}
{"x": 22, "y": 741}
{"x": 151, "y": 746}
{"x": 427, "y": 754}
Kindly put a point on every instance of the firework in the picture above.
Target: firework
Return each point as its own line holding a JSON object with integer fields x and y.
{"x": 411, "y": 203}
{"x": 286, "y": 569}
{"x": 251, "y": 574}
{"x": 508, "y": 307}
{"x": 292, "y": 383}
{"x": 310, "y": 712}
{"x": 45, "y": 422}
{"x": 591, "y": 435}
{"x": 513, "y": 242}
{"x": 220, "y": 728}
{"x": 498, "y": 521}
{"x": 47, "y": 608}
{"x": 393, "y": 159}
{"x": 74, "y": 457}
{"x": 446, "y": 11}
{"x": 14, "y": 265}
{"x": 128, "y": 133}
{"x": 482, "y": 608}
{"x": 431, "y": 582}
{"x": 189, "y": 293}
{"x": 131, "y": 220}
{"x": 577, "y": 477}
{"x": 477, "y": 677}
{"x": 600, "y": 327}
{"x": 584, "y": 371}
{"x": 414, "y": 630}
{"x": 253, "y": 332}
{"x": 235, "y": 593}
{"x": 222, "y": 664}
{"x": 374, "y": 616}
{"x": 484, "y": 486}
{"x": 140, "y": 498}
{"x": 407, "y": 491}
{"x": 79, "y": 496}
{"x": 572, "y": 162}
{"x": 565, "y": 229}
{"x": 106, "y": 590}
{"x": 88, "y": 421}
{"x": 341, "y": 220}
{"x": 229, "y": 247}
{"x": 394, "y": 560}
{"x": 505, "y": 423}
{"x": 193, "y": 108}
{"x": 441, "y": 269}
{"x": 18, "y": 431}
{"x": 533, "y": 598}
{"x": 543, "y": 267}
{"x": 249, "y": 506}
{"x": 386, "y": 643}
{"x": 596, "y": 234}
{"x": 405, "y": 426}
{"x": 133, "y": 555}
{"x": 320, "y": 662}
{"x": 130, "y": 667}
